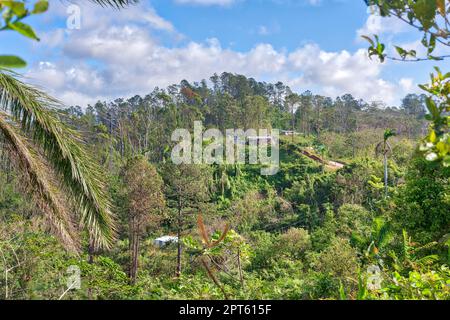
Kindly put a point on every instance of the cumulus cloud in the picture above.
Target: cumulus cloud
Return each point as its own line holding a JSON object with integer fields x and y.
{"x": 122, "y": 57}
{"x": 376, "y": 24}
{"x": 339, "y": 72}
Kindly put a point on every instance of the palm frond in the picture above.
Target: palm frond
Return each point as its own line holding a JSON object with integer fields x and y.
{"x": 39, "y": 182}
{"x": 115, "y": 3}
{"x": 428, "y": 260}
{"x": 384, "y": 235}
{"x": 62, "y": 146}
{"x": 406, "y": 247}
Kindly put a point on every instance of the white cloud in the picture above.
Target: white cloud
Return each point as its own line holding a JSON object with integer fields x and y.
{"x": 376, "y": 24}
{"x": 121, "y": 57}
{"x": 158, "y": 22}
{"x": 342, "y": 72}
{"x": 53, "y": 38}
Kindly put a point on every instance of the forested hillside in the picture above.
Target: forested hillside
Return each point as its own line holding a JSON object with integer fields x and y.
{"x": 376, "y": 227}
{"x": 144, "y": 124}
{"x": 129, "y": 199}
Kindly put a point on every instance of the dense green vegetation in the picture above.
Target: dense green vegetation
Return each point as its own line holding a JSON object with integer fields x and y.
{"x": 89, "y": 189}
{"x": 308, "y": 232}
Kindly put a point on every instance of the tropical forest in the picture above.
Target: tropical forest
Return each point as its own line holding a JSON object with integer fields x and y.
{"x": 93, "y": 205}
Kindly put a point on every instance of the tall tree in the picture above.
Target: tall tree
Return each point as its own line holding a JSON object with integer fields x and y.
{"x": 255, "y": 113}
{"x": 384, "y": 148}
{"x": 292, "y": 103}
{"x": 145, "y": 201}
{"x": 186, "y": 190}
{"x": 415, "y": 105}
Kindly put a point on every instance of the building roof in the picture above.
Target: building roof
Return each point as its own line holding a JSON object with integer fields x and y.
{"x": 167, "y": 239}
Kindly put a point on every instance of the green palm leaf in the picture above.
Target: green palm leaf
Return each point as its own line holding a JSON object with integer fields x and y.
{"x": 62, "y": 146}
{"x": 38, "y": 180}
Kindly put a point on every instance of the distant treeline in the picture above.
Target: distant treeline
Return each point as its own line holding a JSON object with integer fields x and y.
{"x": 144, "y": 124}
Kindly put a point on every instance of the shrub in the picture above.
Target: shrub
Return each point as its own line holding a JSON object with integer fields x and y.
{"x": 295, "y": 243}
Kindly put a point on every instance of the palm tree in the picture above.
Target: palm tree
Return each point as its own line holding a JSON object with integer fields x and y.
{"x": 65, "y": 183}
{"x": 384, "y": 148}
{"x": 54, "y": 166}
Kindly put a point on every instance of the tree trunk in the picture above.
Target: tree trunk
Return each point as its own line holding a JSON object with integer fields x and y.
{"x": 91, "y": 252}
{"x": 385, "y": 174}
{"x": 179, "y": 250}
{"x": 110, "y": 142}
{"x": 136, "y": 258}
{"x": 241, "y": 276}
{"x": 293, "y": 123}
{"x": 134, "y": 252}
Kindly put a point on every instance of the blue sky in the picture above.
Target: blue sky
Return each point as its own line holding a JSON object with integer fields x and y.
{"x": 308, "y": 44}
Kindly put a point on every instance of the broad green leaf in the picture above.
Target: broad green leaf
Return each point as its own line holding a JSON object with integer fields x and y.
{"x": 40, "y": 7}
{"x": 24, "y": 29}
{"x": 369, "y": 40}
{"x": 17, "y": 7}
{"x": 432, "y": 44}
{"x": 432, "y": 137}
{"x": 425, "y": 11}
{"x": 400, "y": 51}
{"x": 431, "y": 105}
{"x": 12, "y": 62}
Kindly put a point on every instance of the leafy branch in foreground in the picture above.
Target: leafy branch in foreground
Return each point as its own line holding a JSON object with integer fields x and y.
{"x": 430, "y": 17}
{"x": 81, "y": 179}
{"x": 13, "y": 13}
{"x": 437, "y": 144}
